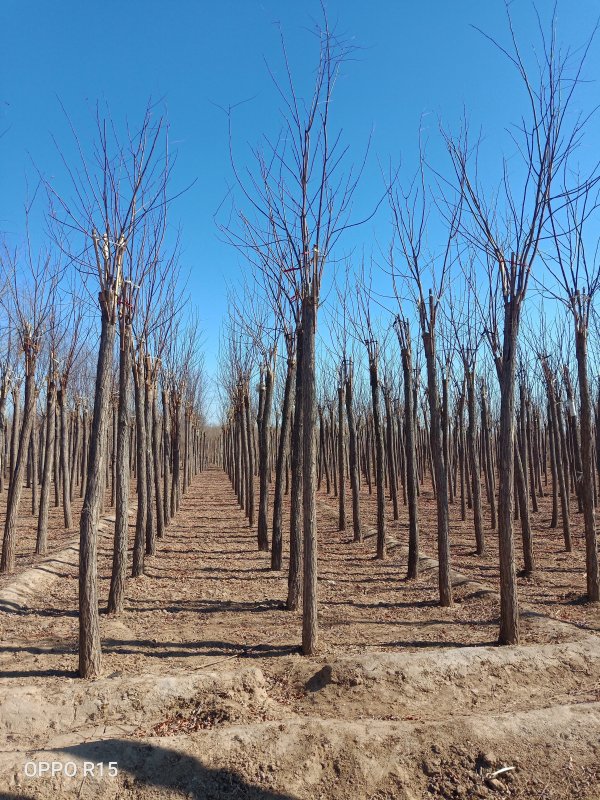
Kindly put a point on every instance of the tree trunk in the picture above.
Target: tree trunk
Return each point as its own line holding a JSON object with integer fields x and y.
{"x": 176, "y": 454}
{"x": 411, "y": 467}
{"x": 391, "y": 453}
{"x": 352, "y": 446}
{"x": 509, "y": 610}
{"x": 474, "y": 464}
{"x": 277, "y": 537}
{"x": 296, "y": 530}
{"x": 14, "y": 433}
{"x": 89, "y": 630}
{"x": 34, "y": 461}
{"x": 309, "y": 479}
{"x": 140, "y": 440}
{"x": 166, "y": 459}
{"x": 156, "y": 438}
{"x": 84, "y": 452}
{"x": 523, "y": 505}
{"x": 587, "y": 482}
{"x": 441, "y": 478}
{"x": 148, "y": 452}
{"x": 562, "y": 480}
{"x": 250, "y": 476}
{"x": 16, "y": 483}
{"x": 340, "y": 464}
{"x": 263, "y": 458}
{"x": 445, "y": 423}
{"x": 554, "y": 470}
{"x": 379, "y": 458}
{"x": 42, "y": 528}
{"x": 116, "y": 597}
{"x": 64, "y": 457}
{"x": 487, "y": 459}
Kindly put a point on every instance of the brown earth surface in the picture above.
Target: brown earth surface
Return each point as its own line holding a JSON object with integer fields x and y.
{"x": 204, "y": 693}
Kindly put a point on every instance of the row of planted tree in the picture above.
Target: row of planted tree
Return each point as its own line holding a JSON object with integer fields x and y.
{"x": 383, "y": 445}
{"x": 134, "y": 426}
{"x": 548, "y": 447}
{"x": 165, "y": 448}
{"x": 460, "y": 388}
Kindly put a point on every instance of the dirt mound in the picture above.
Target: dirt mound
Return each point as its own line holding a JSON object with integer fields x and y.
{"x": 337, "y": 759}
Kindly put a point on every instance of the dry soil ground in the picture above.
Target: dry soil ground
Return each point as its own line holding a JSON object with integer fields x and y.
{"x": 204, "y": 693}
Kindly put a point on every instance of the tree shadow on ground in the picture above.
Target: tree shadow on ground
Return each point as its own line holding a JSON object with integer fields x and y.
{"x": 10, "y": 607}
{"x": 436, "y": 644}
{"x": 206, "y": 606}
{"x": 152, "y": 766}
{"x": 39, "y": 673}
{"x": 156, "y": 649}
{"x": 7, "y": 796}
{"x": 7, "y": 607}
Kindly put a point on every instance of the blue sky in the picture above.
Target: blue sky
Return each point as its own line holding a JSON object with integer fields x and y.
{"x": 415, "y": 61}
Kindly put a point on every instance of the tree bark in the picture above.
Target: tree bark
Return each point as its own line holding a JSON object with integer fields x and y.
{"x": 89, "y": 630}
{"x": 309, "y": 479}
{"x": 296, "y": 529}
{"x": 250, "y": 476}
{"x": 441, "y": 478}
{"x": 509, "y": 609}
{"x": 263, "y": 458}
{"x": 42, "y": 527}
{"x": 34, "y": 460}
{"x": 391, "y": 453}
{"x": 156, "y": 438}
{"x": 353, "y": 451}
{"x": 148, "y": 453}
{"x": 277, "y": 537}
{"x": 167, "y": 513}
{"x": 411, "y": 467}
{"x": 7, "y": 565}
{"x": 587, "y": 481}
{"x": 474, "y": 464}
{"x": 340, "y": 464}
{"x": 64, "y": 456}
{"x": 379, "y": 458}
{"x": 140, "y": 440}
{"x": 562, "y": 481}
{"x": 116, "y": 597}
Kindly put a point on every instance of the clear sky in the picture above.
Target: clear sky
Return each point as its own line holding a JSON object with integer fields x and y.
{"x": 414, "y": 59}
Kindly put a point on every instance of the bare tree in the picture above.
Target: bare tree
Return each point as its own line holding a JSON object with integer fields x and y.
{"x": 52, "y": 380}
{"x": 402, "y": 328}
{"x": 340, "y": 324}
{"x": 365, "y": 325}
{"x": 69, "y": 349}
{"x": 545, "y": 138}
{"x": 464, "y": 323}
{"x": 114, "y": 190}
{"x": 577, "y": 273}
{"x": 410, "y": 214}
{"x": 301, "y": 198}
{"x": 28, "y": 302}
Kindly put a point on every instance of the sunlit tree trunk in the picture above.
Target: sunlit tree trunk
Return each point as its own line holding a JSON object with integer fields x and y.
{"x": 309, "y": 478}
{"x": 411, "y": 472}
{"x": 277, "y": 538}
{"x": 296, "y": 529}
{"x": 509, "y": 610}
{"x": 353, "y": 454}
{"x": 15, "y": 489}
{"x": 89, "y": 629}
{"x": 116, "y": 597}
{"x": 587, "y": 482}
{"x": 42, "y": 527}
